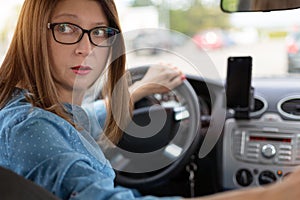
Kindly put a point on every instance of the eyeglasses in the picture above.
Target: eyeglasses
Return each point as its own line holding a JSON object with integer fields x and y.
{"x": 68, "y": 33}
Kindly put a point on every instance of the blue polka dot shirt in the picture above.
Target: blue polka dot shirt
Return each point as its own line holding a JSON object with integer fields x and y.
{"x": 49, "y": 151}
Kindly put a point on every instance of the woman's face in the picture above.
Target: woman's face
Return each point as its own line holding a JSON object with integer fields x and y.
{"x": 76, "y": 67}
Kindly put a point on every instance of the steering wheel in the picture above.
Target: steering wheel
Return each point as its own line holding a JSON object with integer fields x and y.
{"x": 146, "y": 156}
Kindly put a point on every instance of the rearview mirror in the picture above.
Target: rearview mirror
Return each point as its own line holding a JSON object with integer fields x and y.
{"x": 258, "y": 5}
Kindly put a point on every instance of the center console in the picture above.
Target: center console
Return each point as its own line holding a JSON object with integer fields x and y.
{"x": 258, "y": 152}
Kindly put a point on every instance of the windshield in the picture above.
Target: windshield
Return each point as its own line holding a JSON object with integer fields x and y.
{"x": 197, "y": 36}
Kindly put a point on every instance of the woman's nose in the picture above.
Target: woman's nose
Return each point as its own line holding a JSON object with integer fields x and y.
{"x": 84, "y": 46}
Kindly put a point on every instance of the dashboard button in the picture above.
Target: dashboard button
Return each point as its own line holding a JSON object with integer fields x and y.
{"x": 266, "y": 177}
{"x": 268, "y": 151}
{"x": 244, "y": 177}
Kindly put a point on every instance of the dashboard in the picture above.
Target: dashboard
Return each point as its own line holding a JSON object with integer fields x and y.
{"x": 243, "y": 152}
{"x": 264, "y": 148}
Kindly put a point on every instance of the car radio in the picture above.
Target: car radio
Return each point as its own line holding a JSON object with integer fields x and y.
{"x": 258, "y": 152}
{"x": 265, "y": 147}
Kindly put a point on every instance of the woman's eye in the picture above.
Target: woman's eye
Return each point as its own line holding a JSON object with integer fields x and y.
{"x": 99, "y": 32}
{"x": 66, "y": 28}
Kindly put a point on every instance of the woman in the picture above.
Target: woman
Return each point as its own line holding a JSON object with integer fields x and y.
{"x": 48, "y": 68}
{"x": 59, "y": 49}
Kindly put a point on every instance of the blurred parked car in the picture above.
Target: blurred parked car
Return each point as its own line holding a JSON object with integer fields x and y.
{"x": 152, "y": 41}
{"x": 212, "y": 39}
{"x": 293, "y": 51}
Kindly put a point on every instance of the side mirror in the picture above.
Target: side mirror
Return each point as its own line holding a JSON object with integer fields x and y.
{"x": 230, "y": 6}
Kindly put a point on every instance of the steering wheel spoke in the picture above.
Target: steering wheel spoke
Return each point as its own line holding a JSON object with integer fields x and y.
{"x": 181, "y": 113}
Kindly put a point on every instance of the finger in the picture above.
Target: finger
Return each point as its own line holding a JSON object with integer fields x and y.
{"x": 175, "y": 82}
{"x": 174, "y": 74}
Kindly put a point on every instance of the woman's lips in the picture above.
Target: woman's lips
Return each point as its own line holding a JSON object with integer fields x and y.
{"x": 81, "y": 70}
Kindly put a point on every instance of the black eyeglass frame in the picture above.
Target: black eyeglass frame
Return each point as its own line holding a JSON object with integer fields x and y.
{"x": 51, "y": 26}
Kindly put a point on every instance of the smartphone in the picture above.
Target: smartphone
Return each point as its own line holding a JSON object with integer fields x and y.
{"x": 238, "y": 83}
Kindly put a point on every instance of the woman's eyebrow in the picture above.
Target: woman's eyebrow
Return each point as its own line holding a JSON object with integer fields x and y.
{"x": 76, "y": 17}
{"x": 65, "y": 15}
{"x": 100, "y": 24}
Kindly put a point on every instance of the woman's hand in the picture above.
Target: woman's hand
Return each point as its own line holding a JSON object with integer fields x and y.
{"x": 287, "y": 189}
{"x": 159, "y": 79}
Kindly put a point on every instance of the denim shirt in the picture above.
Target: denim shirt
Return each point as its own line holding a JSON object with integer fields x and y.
{"x": 48, "y": 150}
{"x": 96, "y": 112}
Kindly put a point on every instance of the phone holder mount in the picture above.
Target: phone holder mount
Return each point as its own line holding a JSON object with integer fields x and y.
{"x": 244, "y": 112}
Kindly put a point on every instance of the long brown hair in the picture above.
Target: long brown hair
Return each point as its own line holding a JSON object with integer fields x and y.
{"x": 27, "y": 65}
{"x": 119, "y": 107}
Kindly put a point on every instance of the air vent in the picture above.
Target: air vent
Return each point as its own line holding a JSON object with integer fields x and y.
{"x": 290, "y": 107}
{"x": 260, "y": 106}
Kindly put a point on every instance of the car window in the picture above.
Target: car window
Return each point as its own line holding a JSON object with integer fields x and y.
{"x": 197, "y": 36}
{"x": 8, "y": 16}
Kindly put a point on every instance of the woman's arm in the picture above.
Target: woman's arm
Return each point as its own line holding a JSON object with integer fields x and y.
{"x": 158, "y": 79}
{"x": 52, "y": 153}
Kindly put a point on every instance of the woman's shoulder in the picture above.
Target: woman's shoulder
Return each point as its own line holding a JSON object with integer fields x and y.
{"x": 18, "y": 111}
